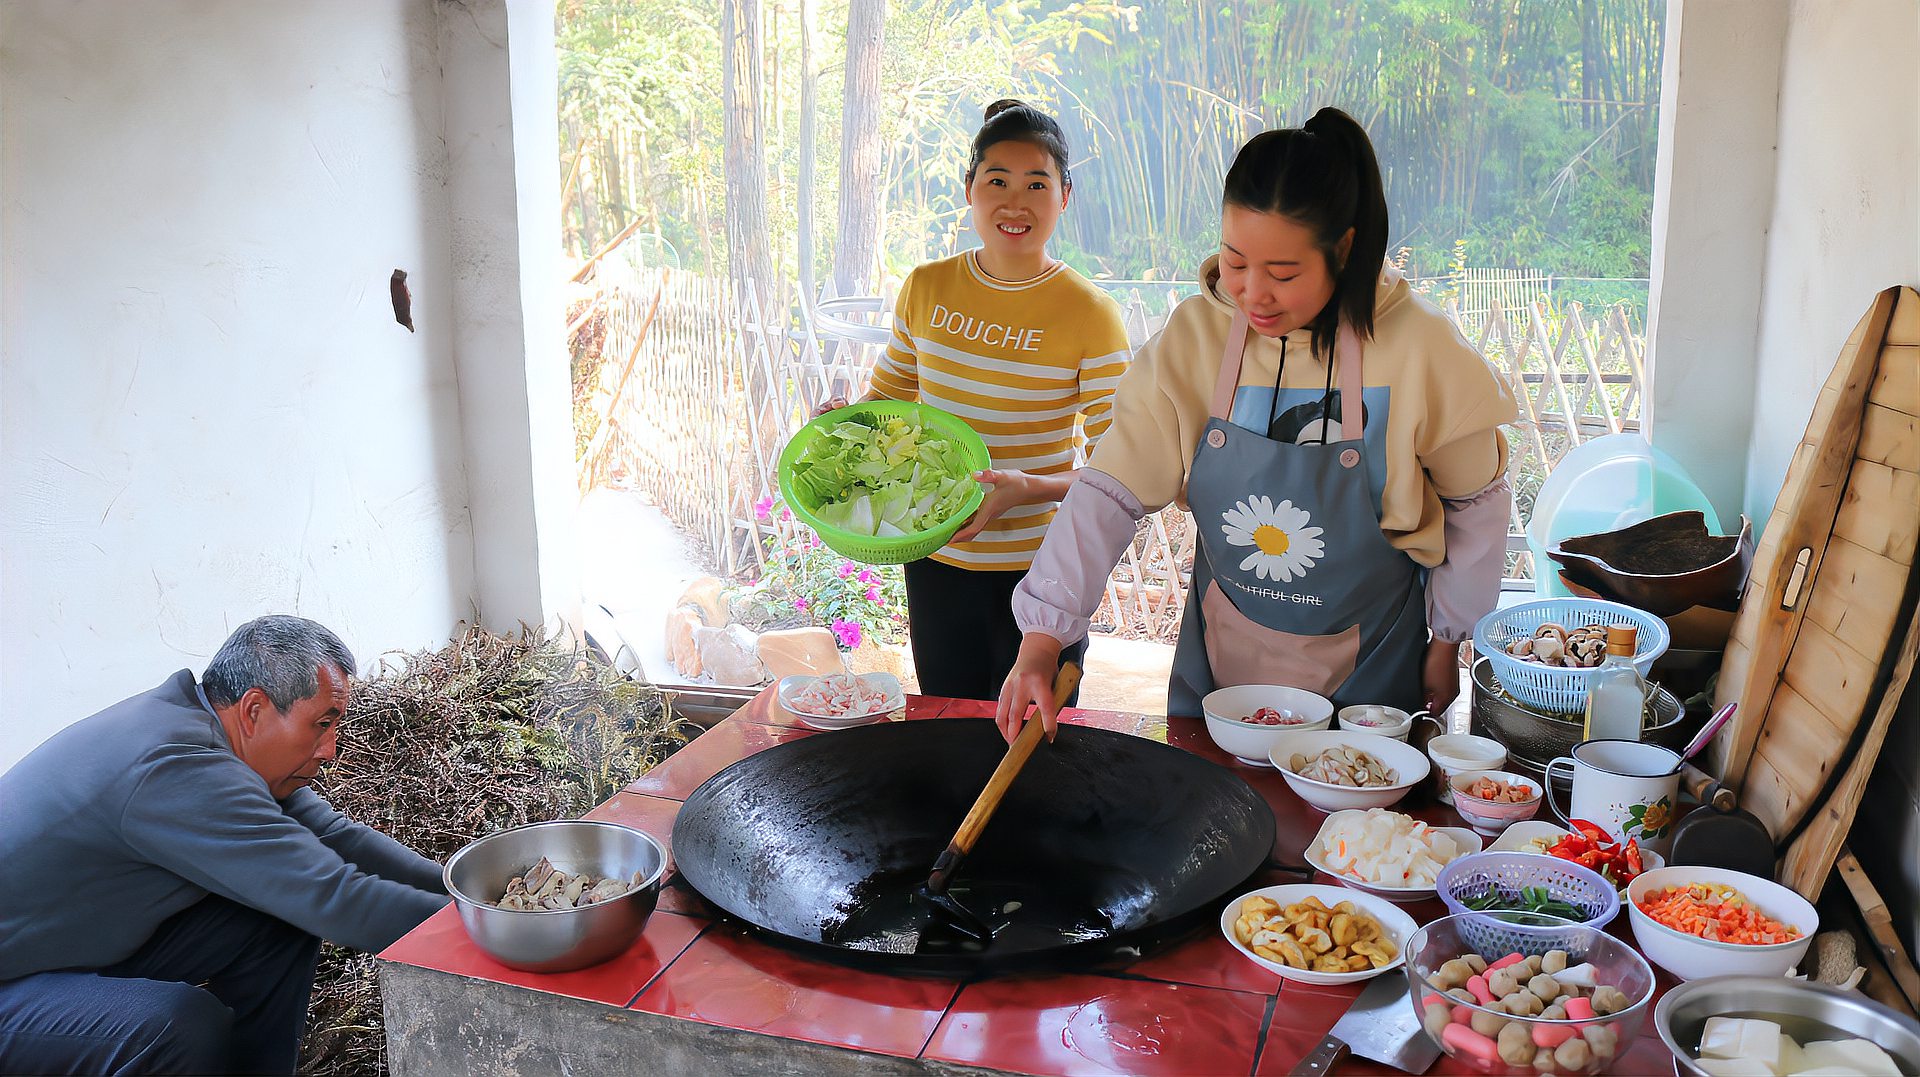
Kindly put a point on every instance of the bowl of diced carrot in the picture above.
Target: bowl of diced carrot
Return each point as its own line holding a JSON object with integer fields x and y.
{"x": 1698, "y": 921}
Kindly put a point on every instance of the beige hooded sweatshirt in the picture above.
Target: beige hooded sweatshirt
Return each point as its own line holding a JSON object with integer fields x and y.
{"x": 1444, "y": 455}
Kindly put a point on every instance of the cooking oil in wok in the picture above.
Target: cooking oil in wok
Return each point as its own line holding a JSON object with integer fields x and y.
{"x": 1024, "y": 913}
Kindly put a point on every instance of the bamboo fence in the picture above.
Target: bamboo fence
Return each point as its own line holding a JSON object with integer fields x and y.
{"x": 703, "y": 384}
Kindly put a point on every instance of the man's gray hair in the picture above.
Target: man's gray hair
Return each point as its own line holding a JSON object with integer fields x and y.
{"x": 278, "y": 654}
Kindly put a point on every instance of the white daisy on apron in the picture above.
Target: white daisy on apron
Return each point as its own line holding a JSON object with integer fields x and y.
{"x": 1284, "y": 545}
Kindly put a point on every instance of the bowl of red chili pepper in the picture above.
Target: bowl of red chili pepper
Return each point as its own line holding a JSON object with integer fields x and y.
{"x": 1591, "y": 847}
{"x": 1587, "y": 845}
{"x": 1698, "y": 921}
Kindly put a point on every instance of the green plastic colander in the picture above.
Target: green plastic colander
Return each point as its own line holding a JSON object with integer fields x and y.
{"x": 899, "y": 549}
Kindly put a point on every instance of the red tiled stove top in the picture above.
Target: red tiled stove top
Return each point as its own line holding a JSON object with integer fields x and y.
{"x": 1193, "y": 1005}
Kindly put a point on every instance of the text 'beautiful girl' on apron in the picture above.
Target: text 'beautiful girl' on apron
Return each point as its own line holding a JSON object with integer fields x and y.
{"x": 1294, "y": 583}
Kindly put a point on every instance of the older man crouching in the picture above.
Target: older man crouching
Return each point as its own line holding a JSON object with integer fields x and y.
{"x": 171, "y": 873}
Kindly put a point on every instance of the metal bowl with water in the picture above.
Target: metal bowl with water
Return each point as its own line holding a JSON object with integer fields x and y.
{"x": 566, "y": 939}
{"x": 1805, "y": 1011}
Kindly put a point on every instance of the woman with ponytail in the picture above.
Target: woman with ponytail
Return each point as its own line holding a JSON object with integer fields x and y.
{"x": 1028, "y": 353}
{"x": 1336, "y": 439}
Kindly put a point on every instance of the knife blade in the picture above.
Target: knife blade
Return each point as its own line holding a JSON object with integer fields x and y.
{"x": 1380, "y": 1025}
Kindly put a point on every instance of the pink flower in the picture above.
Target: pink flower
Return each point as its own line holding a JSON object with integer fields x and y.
{"x": 785, "y": 515}
{"x": 763, "y": 508}
{"x": 813, "y": 544}
{"x": 846, "y": 569}
{"x": 848, "y": 633}
{"x": 799, "y": 603}
{"x": 873, "y": 594}
{"x": 866, "y": 575}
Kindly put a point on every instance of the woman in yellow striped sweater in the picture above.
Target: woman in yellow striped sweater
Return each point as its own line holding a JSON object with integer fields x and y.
{"x": 1028, "y": 352}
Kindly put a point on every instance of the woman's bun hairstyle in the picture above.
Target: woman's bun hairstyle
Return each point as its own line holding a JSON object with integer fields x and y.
{"x": 1002, "y": 105}
{"x": 1010, "y": 120}
{"x": 1324, "y": 175}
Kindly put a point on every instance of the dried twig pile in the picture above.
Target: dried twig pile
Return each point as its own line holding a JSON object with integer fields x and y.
{"x": 443, "y": 746}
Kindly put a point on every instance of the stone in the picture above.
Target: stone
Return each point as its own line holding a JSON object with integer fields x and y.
{"x": 708, "y": 594}
{"x": 730, "y": 655}
{"x": 681, "y": 623}
{"x": 875, "y": 657}
{"x": 799, "y": 651}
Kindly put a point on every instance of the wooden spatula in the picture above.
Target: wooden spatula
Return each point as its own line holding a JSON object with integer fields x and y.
{"x": 934, "y": 894}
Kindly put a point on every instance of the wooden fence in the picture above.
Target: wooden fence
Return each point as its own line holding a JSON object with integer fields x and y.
{"x": 710, "y": 383}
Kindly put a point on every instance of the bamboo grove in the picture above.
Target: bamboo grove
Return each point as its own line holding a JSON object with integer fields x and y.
{"x": 1524, "y": 129}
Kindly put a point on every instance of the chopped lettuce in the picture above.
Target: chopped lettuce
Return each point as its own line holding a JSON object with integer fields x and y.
{"x": 883, "y": 476}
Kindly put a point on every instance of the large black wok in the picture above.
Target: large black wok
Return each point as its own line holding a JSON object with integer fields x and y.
{"x": 1105, "y": 841}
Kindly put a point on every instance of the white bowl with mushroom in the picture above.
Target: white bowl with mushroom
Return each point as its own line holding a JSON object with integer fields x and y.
{"x": 1334, "y": 769}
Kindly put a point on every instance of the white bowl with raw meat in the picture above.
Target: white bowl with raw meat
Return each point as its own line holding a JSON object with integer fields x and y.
{"x": 841, "y": 700}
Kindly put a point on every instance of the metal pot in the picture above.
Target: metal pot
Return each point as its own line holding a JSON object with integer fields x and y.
{"x": 1806, "y": 1011}
{"x": 1534, "y": 739}
{"x": 565, "y": 939}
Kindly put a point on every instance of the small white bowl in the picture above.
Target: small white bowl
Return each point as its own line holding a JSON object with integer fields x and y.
{"x": 1492, "y": 817}
{"x": 1453, "y": 753}
{"x": 883, "y": 682}
{"x": 1467, "y": 840}
{"x": 1224, "y": 707}
{"x": 1379, "y": 718}
{"x": 1408, "y": 763}
{"x": 1396, "y": 925}
{"x": 1690, "y": 957}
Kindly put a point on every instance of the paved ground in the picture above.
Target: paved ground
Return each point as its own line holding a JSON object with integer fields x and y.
{"x": 635, "y": 564}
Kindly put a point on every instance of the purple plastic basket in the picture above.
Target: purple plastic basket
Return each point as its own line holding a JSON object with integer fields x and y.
{"x": 1583, "y": 888}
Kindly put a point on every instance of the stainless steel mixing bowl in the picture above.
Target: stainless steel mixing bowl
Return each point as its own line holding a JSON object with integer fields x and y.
{"x": 1533, "y": 739}
{"x": 567, "y": 939}
{"x": 1805, "y": 1011}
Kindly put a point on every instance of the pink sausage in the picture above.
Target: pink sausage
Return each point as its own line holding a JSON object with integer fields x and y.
{"x": 1580, "y": 1009}
{"x": 1462, "y": 1038}
{"x": 1510, "y": 959}
{"x": 1551, "y": 1036}
{"x": 1431, "y": 1000}
{"x": 1462, "y": 1014}
{"x": 1478, "y": 985}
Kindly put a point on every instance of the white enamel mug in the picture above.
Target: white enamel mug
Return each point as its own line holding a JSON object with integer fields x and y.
{"x": 1626, "y": 787}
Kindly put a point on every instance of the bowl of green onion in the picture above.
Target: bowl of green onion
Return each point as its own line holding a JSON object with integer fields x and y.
{"x": 1509, "y": 882}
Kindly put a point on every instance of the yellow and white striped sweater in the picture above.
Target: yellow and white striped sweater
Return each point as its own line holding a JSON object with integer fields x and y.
{"x": 1030, "y": 365}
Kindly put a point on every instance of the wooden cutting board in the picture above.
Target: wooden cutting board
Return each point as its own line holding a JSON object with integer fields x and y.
{"x": 1822, "y": 646}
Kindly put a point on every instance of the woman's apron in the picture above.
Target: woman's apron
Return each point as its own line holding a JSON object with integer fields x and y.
{"x": 1293, "y": 581}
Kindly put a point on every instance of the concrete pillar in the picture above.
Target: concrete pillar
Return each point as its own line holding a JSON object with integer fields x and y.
{"x": 1719, "y": 106}
{"x": 515, "y": 396}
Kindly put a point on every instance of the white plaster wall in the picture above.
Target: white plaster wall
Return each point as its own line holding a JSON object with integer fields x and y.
{"x": 1845, "y": 224}
{"x": 206, "y": 409}
{"x": 1846, "y": 209}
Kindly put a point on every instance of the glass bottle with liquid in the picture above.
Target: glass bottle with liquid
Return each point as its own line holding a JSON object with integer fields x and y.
{"x": 1616, "y": 693}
